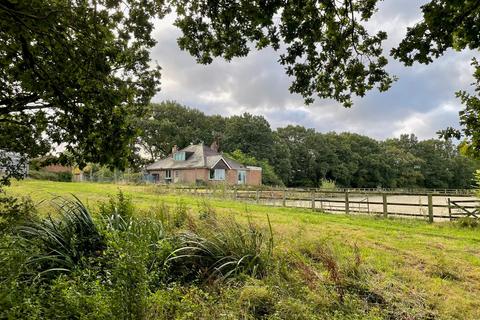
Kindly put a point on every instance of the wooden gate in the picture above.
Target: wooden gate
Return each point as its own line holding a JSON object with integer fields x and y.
{"x": 467, "y": 208}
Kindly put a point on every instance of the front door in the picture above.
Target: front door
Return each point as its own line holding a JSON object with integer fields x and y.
{"x": 242, "y": 177}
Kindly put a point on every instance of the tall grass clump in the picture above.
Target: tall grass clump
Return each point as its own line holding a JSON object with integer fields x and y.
{"x": 222, "y": 251}
{"x": 63, "y": 240}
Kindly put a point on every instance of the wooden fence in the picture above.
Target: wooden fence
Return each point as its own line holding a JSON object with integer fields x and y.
{"x": 430, "y": 205}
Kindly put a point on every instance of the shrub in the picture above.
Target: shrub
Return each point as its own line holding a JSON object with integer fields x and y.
{"x": 78, "y": 296}
{"x": 14, "y": 211}
{"x": 327, "y": 184}
{"x": 51, "y": 176}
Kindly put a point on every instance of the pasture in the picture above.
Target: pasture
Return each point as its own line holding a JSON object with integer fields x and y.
{"x": 420, "y": 270}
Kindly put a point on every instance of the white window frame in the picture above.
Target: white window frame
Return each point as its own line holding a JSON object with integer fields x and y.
{"x": 181, "y": 154}
{"x": 168, "y": 174}
{"x": 218, "y": 174}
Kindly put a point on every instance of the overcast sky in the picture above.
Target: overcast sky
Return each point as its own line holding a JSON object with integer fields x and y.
{"x": 422, "y": 101}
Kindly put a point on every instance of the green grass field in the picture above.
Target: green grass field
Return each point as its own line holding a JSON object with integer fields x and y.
{"x": 432, "y": 267}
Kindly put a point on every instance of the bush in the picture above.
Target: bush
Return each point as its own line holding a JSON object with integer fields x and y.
{"x": 14, "y": 211}
{"x": 51, "y": 176}
{"x": 327, "y": 184}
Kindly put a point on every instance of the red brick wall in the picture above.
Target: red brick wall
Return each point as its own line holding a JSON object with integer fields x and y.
{"x": 56, "y": 168}
{"x": 254, "y": 177}
{"x": 190, "y": 176}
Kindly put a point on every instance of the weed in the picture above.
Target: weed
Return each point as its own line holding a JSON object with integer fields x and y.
{"x": 181, "y": 213}
{"x": 117, "y": 212}
{"x": 468, "y": 222}
{"x": 206, "y": 210}
{"x": 257, "y": 302}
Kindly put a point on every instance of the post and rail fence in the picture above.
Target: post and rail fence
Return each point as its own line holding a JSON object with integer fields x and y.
{"x": 431, "y": 205}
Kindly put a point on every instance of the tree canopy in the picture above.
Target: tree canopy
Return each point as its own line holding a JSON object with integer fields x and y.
{"x": 299, "y": 157}
{"x": 76, "y": 74}
{"x": 72, "y": 73}
{"x": 449, "y": 24}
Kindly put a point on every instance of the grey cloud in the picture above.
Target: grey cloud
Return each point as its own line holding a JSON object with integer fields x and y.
{"x": 258, "y": 84}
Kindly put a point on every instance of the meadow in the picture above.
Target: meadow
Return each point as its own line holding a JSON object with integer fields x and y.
{"x": 321, "y": 265}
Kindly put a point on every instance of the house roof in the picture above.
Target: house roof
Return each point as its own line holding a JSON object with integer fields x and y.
{"x": 198, "y": 156}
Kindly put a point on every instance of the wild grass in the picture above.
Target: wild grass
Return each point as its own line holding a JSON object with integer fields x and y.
{"x": 64, "y": 240}
{"x": 225, "y": 250}
{"x": 323, "y": 266}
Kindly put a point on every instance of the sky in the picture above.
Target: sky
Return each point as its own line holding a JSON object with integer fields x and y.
{"x": 422, "y": 101}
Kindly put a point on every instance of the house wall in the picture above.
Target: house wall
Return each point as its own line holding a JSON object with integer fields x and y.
{"x": 190, "y": 176}
{"x": 232, "y": 177}
{"x": 254, "y": 177}
{"x": 187, "y": 176}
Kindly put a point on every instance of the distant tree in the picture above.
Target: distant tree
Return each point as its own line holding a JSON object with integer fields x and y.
{"x": 299, "y": 142}
{"x": 169, "y": 123}
{"x": 406, "y": 167}
{"x": 281, "y": 158}
{"x": 269, "y": 177}
{"x": 449, "y": 24}
{"x": 250, "y": 134}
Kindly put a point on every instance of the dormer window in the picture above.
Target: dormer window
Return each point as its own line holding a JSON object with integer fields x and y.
{"x": 179, "y": 156}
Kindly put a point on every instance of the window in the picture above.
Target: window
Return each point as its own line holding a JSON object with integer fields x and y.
{"x": 179, "y": 156}
{"x": 242, "y": 177}
{"x": 217, "y": 174}
{"x": 168, "y": 174}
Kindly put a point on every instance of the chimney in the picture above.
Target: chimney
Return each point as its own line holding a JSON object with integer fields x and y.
{"x": 214, "y": 146}
{"x": 174, "y": 149}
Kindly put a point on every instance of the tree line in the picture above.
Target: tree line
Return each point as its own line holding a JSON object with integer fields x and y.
{"x": 296, "y": 156}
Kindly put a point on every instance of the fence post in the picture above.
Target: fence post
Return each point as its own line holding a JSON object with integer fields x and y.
{"x": 385, "y": 205}
{"x": 284, "y": 199}
{"x": 313, "y": 200}
{"x": 258, "y": 196}
{"x": 449, "y": 209}
{"x": 235, "y": 194}
{"x": 430, "y": 208}
{"x": 347, "y": 204}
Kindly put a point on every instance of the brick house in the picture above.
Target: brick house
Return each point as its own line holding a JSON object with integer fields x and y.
{"x": 202, "y": 164}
